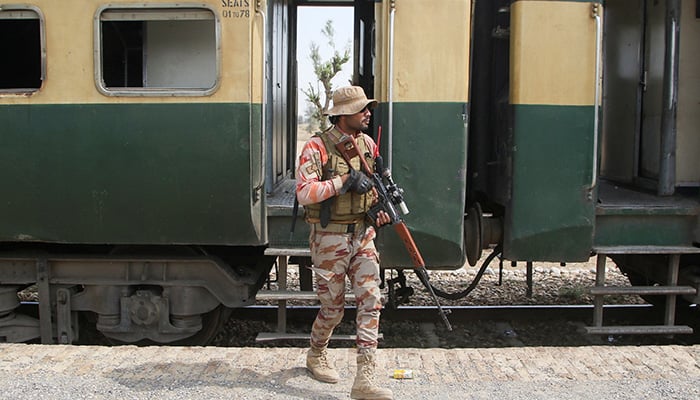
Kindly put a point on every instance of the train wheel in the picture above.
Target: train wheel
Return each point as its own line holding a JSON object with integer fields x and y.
{"x": 213, "y": 324}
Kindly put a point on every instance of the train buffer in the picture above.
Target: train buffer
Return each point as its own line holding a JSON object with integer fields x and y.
{"x": 671, "y": 290}
{"x": 282, "y": 294}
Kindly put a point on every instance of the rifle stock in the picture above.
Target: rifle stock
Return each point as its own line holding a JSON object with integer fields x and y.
{"x": 405, "y": 235}
{"x": 348, "y": 148}
{"x": 407, "y": 239}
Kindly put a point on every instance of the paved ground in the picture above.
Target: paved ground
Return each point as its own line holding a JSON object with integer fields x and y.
{"x": 593, "y": 372}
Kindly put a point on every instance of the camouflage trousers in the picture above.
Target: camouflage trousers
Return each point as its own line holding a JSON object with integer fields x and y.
{"x": 335, "y": 256}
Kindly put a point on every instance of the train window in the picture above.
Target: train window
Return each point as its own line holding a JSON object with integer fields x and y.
{"x": 22, "y": 49}
{"x": 157, "y": 51}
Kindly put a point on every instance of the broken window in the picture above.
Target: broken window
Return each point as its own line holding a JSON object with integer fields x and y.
{"x": 157, "y": 51}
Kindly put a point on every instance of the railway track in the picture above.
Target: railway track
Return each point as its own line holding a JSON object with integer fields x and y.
{"x": 463, "y": 314}
{"x": 473, "y": 326}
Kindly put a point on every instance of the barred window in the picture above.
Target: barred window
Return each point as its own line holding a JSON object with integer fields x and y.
{"x": 157, "y": 51}
{"x": 22, "y": 48}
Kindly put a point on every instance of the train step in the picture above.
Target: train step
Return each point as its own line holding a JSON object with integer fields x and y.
{"x": 671, "y": 290}
{"x": 276, "y": 295}
{"x": 270, "y": 336}
{"x": 282, "y": 294}
{"x": 288, "y": 251}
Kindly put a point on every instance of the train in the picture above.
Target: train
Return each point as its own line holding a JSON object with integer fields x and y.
{"x": 148, "y": 149}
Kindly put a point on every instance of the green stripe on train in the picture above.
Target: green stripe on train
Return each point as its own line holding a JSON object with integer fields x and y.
{"x": 128, "y": 173}
{"x": 551, "y": 213}
{"x": 429, "y": 162}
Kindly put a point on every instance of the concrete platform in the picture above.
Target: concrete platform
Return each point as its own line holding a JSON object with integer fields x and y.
{"x": 127, "y": 372}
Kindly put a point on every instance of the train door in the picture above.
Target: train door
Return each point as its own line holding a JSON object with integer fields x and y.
{"x": 279, "y": 110}
{"x": 651, "y": 81}
{"x": 650, "y": 108}
{"x": 550, "y": 207}
{"x": 669, "y": 101}
{"x": 623, "y": 88}
{"x": 632, "y": 92}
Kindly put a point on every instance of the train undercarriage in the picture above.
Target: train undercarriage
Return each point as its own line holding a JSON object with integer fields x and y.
{"x": 158, "y": 301}
{"x": 127, "y": 298}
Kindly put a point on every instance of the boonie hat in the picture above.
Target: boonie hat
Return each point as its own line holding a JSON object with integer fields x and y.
{"x": 349, "y": 100}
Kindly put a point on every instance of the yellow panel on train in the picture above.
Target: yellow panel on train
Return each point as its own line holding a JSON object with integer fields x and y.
{"x": 552, "y": 63}
{"x": 427, "y": 67}
{"x": 72, "y": 37}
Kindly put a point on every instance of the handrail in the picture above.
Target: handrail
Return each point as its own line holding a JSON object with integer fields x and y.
{"x": 390, "y": 132}
{"x": 263, "y": 94}
{"x": 595, "y": 13}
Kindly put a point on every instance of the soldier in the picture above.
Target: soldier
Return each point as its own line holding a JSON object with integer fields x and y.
{"x": 336, "y": 199}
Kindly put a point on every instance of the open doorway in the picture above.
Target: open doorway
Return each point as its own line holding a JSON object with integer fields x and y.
{"x": 292, "y": 28}
{"x": 324, "y": 43}
{"x": 638, "y": 96}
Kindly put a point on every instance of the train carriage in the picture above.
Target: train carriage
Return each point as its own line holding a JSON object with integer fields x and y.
{"x": 148, "y": 148}
{"x": 131, "y": 136}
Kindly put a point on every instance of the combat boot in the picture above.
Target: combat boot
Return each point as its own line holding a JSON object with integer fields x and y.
{"x": 317, "y": 363}
{"x": 364, "y": 386}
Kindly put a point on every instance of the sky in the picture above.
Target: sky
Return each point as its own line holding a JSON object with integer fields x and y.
{"x": 311, "y": 22}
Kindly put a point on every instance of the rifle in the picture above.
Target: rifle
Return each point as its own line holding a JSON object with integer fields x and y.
{"x": 391, "y": 196}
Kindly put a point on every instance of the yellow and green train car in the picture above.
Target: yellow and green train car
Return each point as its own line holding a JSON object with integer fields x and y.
{"x": 123, "y": 98}
{"x": 148, "y": 148}
{"x": 131, "y": 135}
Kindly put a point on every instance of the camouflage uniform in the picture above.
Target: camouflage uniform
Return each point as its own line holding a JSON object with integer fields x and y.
{"x": 336, "y": 253}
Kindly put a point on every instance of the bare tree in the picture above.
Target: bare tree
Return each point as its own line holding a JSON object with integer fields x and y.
{"x": 318, "y": 100}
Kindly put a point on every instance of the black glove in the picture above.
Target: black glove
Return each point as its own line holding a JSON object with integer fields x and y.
{"x": 357, "y": 182}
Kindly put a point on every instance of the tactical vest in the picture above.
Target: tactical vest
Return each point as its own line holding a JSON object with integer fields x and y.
{"x": 350, "y": 207}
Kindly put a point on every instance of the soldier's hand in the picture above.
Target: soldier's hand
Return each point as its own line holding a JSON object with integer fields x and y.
{"x": 357, "y": 182}
{"x": 382, "y": 219}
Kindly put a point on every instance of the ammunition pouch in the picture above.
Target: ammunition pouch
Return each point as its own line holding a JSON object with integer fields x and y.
{"x": 345, "y": 208}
